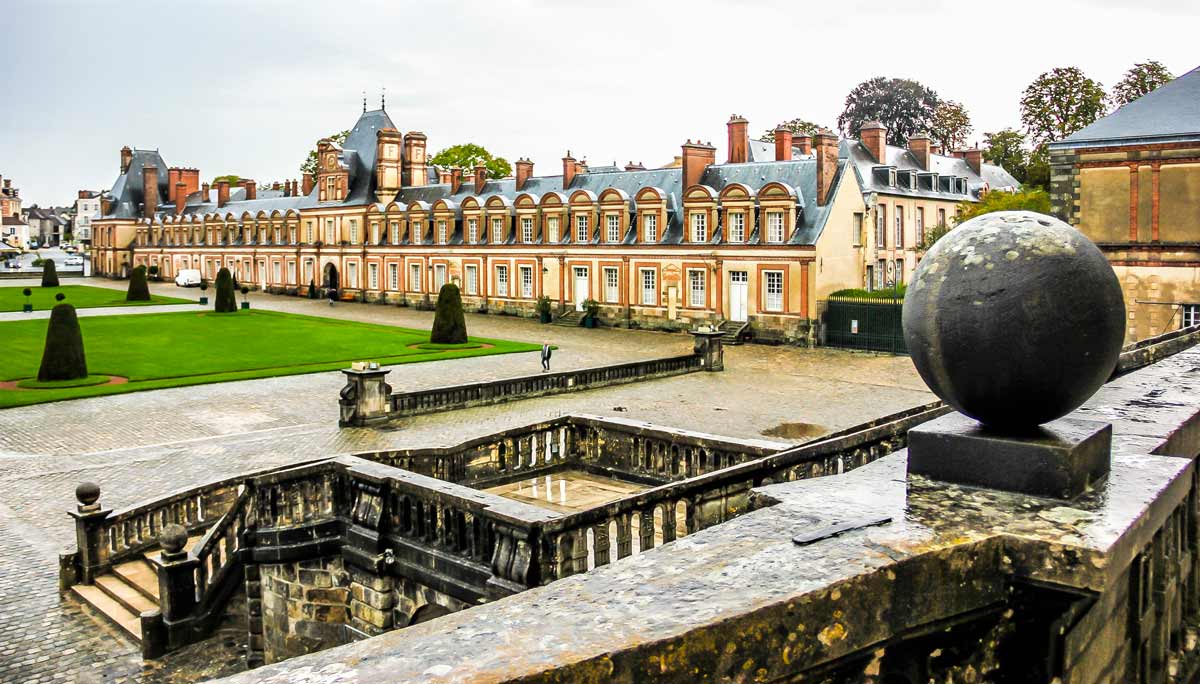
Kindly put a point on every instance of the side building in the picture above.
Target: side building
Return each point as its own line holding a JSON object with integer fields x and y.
{"x": 757, "y": 240}
{"x": 1131, "y": 183}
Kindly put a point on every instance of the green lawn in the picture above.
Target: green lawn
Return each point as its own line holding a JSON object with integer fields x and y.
{"x": 81, "y": 296}
{"x": 190, "y": 348}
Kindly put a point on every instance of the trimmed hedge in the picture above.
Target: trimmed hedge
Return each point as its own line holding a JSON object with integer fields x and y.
{"x": 449, "y": 324}
{"x": 138, "y": 291}
{"x": 63, "y": 357}
{"x": 49, "y": 273}
{"x": 225, "y": 302}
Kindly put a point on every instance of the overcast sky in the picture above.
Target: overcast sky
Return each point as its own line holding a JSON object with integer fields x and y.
{"x": 248, "y": 86}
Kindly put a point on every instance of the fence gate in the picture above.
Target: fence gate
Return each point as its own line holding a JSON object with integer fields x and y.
{"x": 864, "y": 323}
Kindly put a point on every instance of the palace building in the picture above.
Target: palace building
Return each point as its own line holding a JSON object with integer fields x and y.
{"x": 756, "y": 240}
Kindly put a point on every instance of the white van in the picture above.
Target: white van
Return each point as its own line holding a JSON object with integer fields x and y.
{"x": 188, "y": 277}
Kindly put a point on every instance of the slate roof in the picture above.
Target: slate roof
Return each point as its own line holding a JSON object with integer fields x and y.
{"x": 127, "y": 190}
{"x": 864, "y": 165}
{"x": 1169, "y": 114}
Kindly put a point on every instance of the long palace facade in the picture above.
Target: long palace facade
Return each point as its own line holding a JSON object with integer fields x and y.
{"x": 759, "y": 238}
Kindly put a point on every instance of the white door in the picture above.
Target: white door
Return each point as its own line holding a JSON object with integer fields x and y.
{"x": 739, "y": 289}
{"x": 581, "y": 286}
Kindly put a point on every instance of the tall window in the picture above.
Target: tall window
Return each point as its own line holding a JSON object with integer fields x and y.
{"x": 472, "y": 279}
{"x": 696, "y": 296}
{"x": 899, "y": 271}
{"x": 612, "y": 285}
{"x": 527, "y": 282}
{"x": 291, "y": 272}
{"x": 775, "y": 227}
{"x": 308, "y": 269}
{"x": 330, "y": 237}
{"x": 501, "y": 281}
{"x": 649, "y": 287}
{"x": 497, "y": 230}
{"x": 581, "y": 228}
{"x": 393, "y": 277}
{"x": 552, "y": 228}
{"x": 473, "y": 230}
{"x": 374, "y": 232}
{"x": 394, "y": 229}
{"x": 418, "y": 231}
{"x": 1191, "y": 315}
{"x": 439, "y": 276}
{"x": 774, "y": 285}
{"x": 941, "y": 217}
{"x": 612, "y": 226}
{"x": 441, "y": 237}
{"x": 414, "y": 277}
{"x": 650, "y": 227}
{"x": 373, "y": 276}
{"x": 352, "y": 273}
{"x": 899, "y": 240}
{"x": 527, "y": 229}
{"x": 354, "y": 231}
{"x": 880, "y": 227}
{"x": 737, "y": 227}
{"x": 920, "y": 227}
{"x": 880, "y": 272}
{"x": 699, "y": 226}
{"x": 856, "y": 235}
{"x": 276, "y": 273}
{"x": 308, "y": 232}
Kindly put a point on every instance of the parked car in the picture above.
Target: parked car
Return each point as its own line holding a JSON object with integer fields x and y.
{"x": 12, "y": 263}
{"x": 74, "y": 261}
{"x": 188, "y": 277}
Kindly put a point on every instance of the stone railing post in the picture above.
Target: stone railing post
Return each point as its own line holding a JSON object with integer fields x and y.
{"x": 176, "y": 583}
{"x": 708, "y": 347}
{"x": 92, "y": 553}
{"x": 366, "y": 398}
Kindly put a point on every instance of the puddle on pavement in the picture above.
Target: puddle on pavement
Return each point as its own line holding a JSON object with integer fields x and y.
{"x": 795, "y": 431}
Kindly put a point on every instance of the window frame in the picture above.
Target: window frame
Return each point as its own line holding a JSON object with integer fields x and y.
{"x": 471, "y": 276}
{"x": 768, "y": 294}
{"x": 650, "y": 226}
{"x": 772, "y": 225}
{"x": 737, "y": 227}
{"x": 501, "y": 280}
{"x": 652, "y": 291}
{"x": 692, "y": 290}
{"x": 525, "y": 273}
{"x": 698, "y": 226}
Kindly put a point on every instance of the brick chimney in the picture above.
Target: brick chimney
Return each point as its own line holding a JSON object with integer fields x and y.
{"x": 308, "y": 183}
{"x": 874, "y": 137}
{"x": 920, "y": 147}
{"x": 739, "y": 140}
{"x": 806, "y": 144}
{"x": 181, "y": 193}
{"x": 222, "y": 193}
{"x": 569, "y": 170}
{"x": 84, "y": 194}
{"x": 634, "y": 167}
{"x": 149, "y": 190}
{"x": 480, "y": 178}
{"x": 524, "y": 172}
{"x": 190, "y": 179}
{"x": 205, "y": 191}
{"x": 783, "y": 144}
{"x": 456, "y": 179}
{"x": 126, "y": 158}
{"x": 172, "y": 179}
{"x": 697, "y": 156}
{"x": 934, "y": 148}
{"x": 827, "y": 155}
{"x": 443, "y": 176}
{"x": 250, "y": 187}
{"x": 974, "y": 157}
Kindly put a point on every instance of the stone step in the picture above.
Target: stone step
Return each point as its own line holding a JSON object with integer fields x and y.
{"x": 128, "y": 596}
{"x": 114, "y": 611}
{"x": 139, "y": 575}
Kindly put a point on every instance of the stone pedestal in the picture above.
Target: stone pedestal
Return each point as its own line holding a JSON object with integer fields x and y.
{"x": 708, "y": 347}
{"x": 91, "y": 551}
{"x": 366, "y": 398}
{"x": 1060, "y": 459}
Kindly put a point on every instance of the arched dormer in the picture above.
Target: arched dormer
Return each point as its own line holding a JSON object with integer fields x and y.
{"x": 498, "y": 210}
{"x": 555, "y": 222}
{"x": 445, "y": 214}
{"x": 651, "y": 214}
{"x": 699, "y": 214}
{"x": 417, "y": 215}
{"x": 737, "y": 213}
{"x": 583, "y": 210}
{"x": 614, "y": 213}
{"x": 527, "y": 222}
{"x": 472, "y": 215}
{"x": 777, "y": 204}
{"x": 394, "y": 223}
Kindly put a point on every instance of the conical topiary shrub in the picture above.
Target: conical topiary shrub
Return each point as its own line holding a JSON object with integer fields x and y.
{"x": 138, "y": 291}
{"x": 449, "y": 325}
{"x": 226, "y": 302}
{"x": 312, "y": 290}
{"x": 49, "y": 274}
{"x": 63, "y": 357}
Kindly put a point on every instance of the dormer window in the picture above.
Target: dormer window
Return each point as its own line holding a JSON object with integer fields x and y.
{"x": 892, "y": 178}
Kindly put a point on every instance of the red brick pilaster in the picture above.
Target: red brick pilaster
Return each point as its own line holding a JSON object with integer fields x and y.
{"x": 1154, "y": 202}
{"x": 1133, "y": 202}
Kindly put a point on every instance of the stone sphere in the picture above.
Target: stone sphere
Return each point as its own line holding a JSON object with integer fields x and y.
{"x": 1014, "y": 318}
{"x": 87, "y": 493}
{"x": 172, "y": 538}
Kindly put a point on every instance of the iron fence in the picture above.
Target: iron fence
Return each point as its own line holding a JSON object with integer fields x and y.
{"x": 871, "y": 323}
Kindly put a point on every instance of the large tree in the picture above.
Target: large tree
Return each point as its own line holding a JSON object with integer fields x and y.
{"x": 951, "y": 125}
{"x": 310, "y": 162}
{"x": 1007, "y": 150}
{"x": 796, "y": 126}
{"x": 903, "y": 105}
{"x": 467, "y": 155}
{"x": 1060, "y": 102}
{"x": 999, "y": 200}
{"x": 1138, "y": 81}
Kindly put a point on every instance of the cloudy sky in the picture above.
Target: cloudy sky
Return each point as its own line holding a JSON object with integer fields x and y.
{"x": 248, "y": 86}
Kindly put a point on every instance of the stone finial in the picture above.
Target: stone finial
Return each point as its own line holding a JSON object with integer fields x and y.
{"x": 173, "y": 538}
{"x": 87, "y": 494}
{"x": 1014, "y": 318}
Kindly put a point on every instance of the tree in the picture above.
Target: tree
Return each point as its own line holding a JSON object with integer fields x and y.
{"x": 796, "y": 126}
{"x": 1138, "y": 81}
{"x": 138, "y": 291}
{"x": 225, "y": 302}
{"x": 310, "y": 162}
{"x": 449, "y": 324}
{"x": 49, "y": 273}
{"x": 1060, "y": 102}
{"x": 1037, "y": 174}
{"x": 951, "y": 125}
{"x": 1006, "y": 149}
{"x": 904, "y": 106}
{"x": 231, "y": 177}
{"x": 63, "y": 356}
{"x": 467, "y": 155}
{"x": 998, "y": 200}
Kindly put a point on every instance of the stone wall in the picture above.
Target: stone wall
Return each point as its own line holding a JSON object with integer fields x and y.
{"x": 305, "y": 607}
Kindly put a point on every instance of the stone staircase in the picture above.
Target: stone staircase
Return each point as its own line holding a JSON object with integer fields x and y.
{"x": 733, "y": 332}
{"x": 123, "y": 594}
{"x": 570, "y": 319}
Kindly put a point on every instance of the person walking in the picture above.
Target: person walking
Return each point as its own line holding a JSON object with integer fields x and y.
{"x": 546, "y": 349}
{"x": 332, "y": 295}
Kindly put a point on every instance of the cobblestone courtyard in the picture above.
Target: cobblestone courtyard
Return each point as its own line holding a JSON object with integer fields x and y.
{"x": 143, "y": 445}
